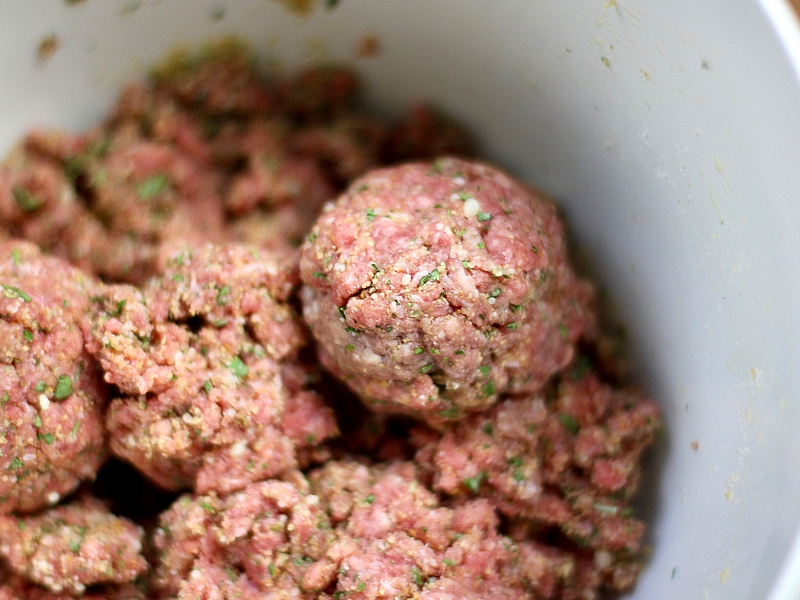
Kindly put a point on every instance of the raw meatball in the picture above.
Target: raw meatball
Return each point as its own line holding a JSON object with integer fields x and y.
{"x": 569, "y": 464}
{"x": 355, "y": 531}
{"x": 51, "y": 392}
{"x": 198, "y": 356}
{"x": 433, "y": 288}
{"x": 71, "y": 547}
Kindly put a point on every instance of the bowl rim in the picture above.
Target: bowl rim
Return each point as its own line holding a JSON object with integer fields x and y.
{"x": 784, "y": 19}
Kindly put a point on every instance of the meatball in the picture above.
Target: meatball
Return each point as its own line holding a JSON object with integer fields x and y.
{"x": 433, "y": 288}
{"x": 568, "y": 464}
{"x": 71, "y": 547}
{"x": 350, "y": 529}
{"x": 199, "y": 357}
{"x": 51, "y": 392}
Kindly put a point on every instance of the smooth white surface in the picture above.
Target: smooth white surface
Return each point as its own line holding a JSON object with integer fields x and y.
{"x": 669, "y": 132}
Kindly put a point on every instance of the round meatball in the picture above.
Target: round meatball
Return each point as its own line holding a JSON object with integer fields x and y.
{"x": 199, "y": 356}
{"x": 433, "y": 288}
{"x": 51, "y": 392}
{"x": 71, "y": 547}
{"x": 569, "y": 464}
{"x": 364, "y": 532}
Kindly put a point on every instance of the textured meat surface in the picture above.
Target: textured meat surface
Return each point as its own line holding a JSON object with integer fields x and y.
{"x": 433, "y": 288}
{"x": 51, "y": 393}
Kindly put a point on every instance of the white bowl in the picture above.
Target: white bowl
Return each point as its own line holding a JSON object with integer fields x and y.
{"x": 670, "y": 133}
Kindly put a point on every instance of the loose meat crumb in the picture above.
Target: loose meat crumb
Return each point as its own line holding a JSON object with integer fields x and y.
{"x": 565, "y": 464}
{"x": 72, "y": 547}
{"x": 197, "y": 356}
{"x": 349, "y": 530}
{"x": 51, "y": 393}
{"x": 434, "y": 288}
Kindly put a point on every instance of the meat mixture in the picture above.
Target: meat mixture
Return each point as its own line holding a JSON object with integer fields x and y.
{"x": 434, "y": 288}
{"x": 52, "y": 395}
{"x": 328, "y": 356}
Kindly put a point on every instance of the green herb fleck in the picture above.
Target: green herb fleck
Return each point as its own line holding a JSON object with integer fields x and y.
{"x": 449, "y": 413}
{"x": 272, "y": 571}
{"x": 375, "y": 267}
{"x": 473, "y": 484}
{"x": 535, "y": 249}
{"x": 465, "y": 264}
{"x": 495, "y": 293}
{"x": 513, "y": 325}
{"x": 562, "y": 329}
{"x": 206, "y": 506}
{"x": 488, "y": 388}
{"x": 224, "y": 295}
{"x": 208, "y": 386}
{"x": 26, "y": 201}
{"x": 47, "y": 438}
{"x": 349, "y": 329}
{"x": 485, "y": 370}
{"x": 39, "y": 386}
{"x": 606, "y": 509}
{"x": 370, "y": 214}
{"x": 238, "y": 367}
{"x": 177, "y": 277}
{"x": 152, "y": 186}
{"x": 370, "y": 499}
{"x": 349, "y": 347}
{"x": 341, "y": 311}
{"x": 481, "y": 245}
{"x": 569, "y": 423}
{"x": 488, "y": 429}
{"x": 119, "y": 308}
{"x": 16, "y": 256}
{"x": 74, "y": 431}
{"x": 425, "y": 369}
{"x": 459, "y": 231}
{"x": 63, "y": 387}
{"x": 515, "y": 307}
{"x": 449, "y": 562}
{"x": 416, "y": 576}
{"x": 14, "y": 292}
{"x": 361, "y": 586}
{"x": 432, "y": 276}
{"x": 434, "y": 351}
{"x": 16, "y": 463}
{"x": 37, "y": 422}
{"x": 319, "y": 275}
{"x": 27, "y": 334}
{"x": 460, "y": 352}
{"x": 484, "y": 216}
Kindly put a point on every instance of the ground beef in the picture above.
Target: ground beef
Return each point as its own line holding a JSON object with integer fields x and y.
{"x": 72, "y": 547}
{"x": 564, "y": 463}
{"x": 198, "y": 356}
{"x": 433, "y": 288}
{"x": 51, "y": 391}
{"x": 350, "y": 530}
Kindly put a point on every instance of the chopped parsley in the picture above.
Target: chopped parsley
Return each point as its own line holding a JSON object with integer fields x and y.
{"x": 14, "y": 292}
{"x": 47, "y": 438}
{"x": 495, "y": 293}
{"x": 26, "y": 201}
{"x": 152, "y": 186}
{"x": 370, "y": 214}
{"x": 370, "y": 499}
{"x": 569, "y": 423}
{"x": 484, "y": 216}
{"x": 119, "y": 308}
{"x": 473, "y": 484}
{"x": 39, "y": 386}
{"x": 418, "y": 350}
{"x": 488, "y": 429}
{"x": 426, "y": 369}
{"x": 16, "y": 256}
{"x": 319, "y": 275}
{"x": 448, "y": 562}
{"x": 238, "y": 367}
{"x": 513, "y": 325}
{"x": 206, "y": 506}
{"x": 223, "y": 295}
{"x": 63, "y": 387}
{"x": 488, "y": 388}
{"x": 432, "y": 276}
{"x": 27, "y": 334}
{"x": 416, "y": 576}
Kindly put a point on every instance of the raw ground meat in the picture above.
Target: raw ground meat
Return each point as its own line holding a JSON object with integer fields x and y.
{"x": 71, "y": 547}
{"x": 198, "y": 356}
{"x": 51, "y": 392}
{"x": 487, "y": 459}
{"x": 432, "y": 288}
{"x": 563, "y": 463}
{"x": 349, "y": 530}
